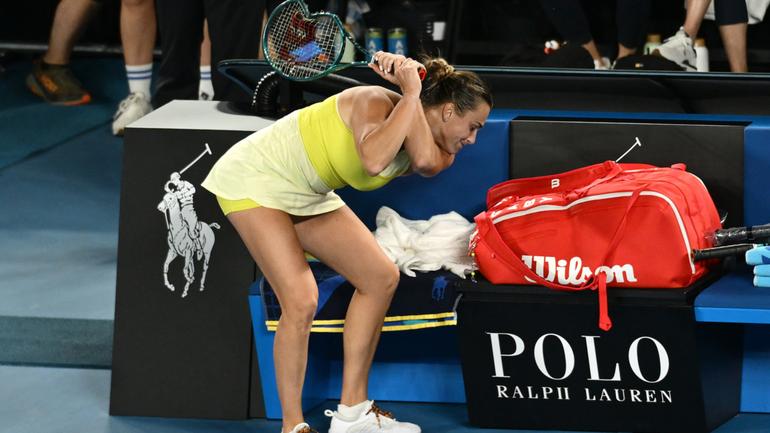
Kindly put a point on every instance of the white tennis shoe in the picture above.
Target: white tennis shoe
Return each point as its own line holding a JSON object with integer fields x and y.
{"x": 679, "y": 49}
{"x": 131, "y": 109}
{"x": 372, "y": 420}
{"x": 302, "y": 428}
{"x": 603, "y": 65}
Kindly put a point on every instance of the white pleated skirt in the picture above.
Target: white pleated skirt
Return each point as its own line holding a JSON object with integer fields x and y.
{"x": 271, "y": 167}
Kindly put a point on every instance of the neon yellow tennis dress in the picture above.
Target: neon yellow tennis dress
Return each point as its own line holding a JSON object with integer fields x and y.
{"x": 295, "y": 164}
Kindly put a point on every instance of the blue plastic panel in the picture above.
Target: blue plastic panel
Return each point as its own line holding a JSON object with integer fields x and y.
{"x": 734, "y": 299}
{"x": 755, "y": 384}
{"x": 756, "y": 166}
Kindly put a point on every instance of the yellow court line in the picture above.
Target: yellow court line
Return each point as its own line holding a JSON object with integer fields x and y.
{"x": 385, "y": 328}
{"x": 315, "y": 322}
{"x": 420, "y": 317}
{"x": 419, "y": 326}
{"x": 387, "y": 319}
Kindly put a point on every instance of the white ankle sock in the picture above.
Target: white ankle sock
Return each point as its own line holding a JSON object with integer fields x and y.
{"x": 351, "y": 413}
{"x": 205, "y": 85}
{"x": 139, "y": 78}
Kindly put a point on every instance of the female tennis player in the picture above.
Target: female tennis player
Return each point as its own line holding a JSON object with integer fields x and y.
{"x": 276, "y": 188}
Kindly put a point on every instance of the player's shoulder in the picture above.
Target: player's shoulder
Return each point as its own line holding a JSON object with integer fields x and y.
{"x": 372, "y": 95}
{"x": 366, "y": 104}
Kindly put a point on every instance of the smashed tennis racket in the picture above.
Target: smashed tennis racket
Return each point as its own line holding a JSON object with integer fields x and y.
{"x": 304, "y": 46}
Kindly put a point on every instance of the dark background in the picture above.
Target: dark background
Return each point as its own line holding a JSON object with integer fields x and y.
{"x": 503, "y": 23}
{"x": 30, "y": 22}
{"x": 486, "y": 32}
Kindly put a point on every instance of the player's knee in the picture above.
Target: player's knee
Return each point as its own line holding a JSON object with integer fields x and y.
{"x": 385, "y": 280}
{"x": 299, "y": 313}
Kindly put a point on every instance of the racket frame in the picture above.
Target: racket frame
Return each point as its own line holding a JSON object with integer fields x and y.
{"x": 336, "y": 65}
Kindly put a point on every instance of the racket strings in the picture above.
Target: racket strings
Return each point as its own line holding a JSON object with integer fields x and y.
{"x": 302, "y": 47}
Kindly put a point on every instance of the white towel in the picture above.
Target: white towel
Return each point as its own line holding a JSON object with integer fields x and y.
{"x": 420, "y": 245}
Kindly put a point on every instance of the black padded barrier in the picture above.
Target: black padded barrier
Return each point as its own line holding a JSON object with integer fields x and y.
{"x": 174, "y": 356}
{"x": 534, "y": 358}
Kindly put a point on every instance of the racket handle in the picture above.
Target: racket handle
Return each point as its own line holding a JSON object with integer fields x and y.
{"x": 422, "y": 72}
{"x": 721, "y": 252}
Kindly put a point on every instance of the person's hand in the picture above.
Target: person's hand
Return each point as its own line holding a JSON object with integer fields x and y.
{"x": 399, "y": 70}
{"x": 759, "y": 257}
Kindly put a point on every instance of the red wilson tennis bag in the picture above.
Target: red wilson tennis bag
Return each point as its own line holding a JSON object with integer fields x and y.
{"x": 622, "y": 225}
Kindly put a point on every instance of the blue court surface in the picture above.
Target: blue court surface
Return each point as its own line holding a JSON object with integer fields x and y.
{"x": 59, "y": 200}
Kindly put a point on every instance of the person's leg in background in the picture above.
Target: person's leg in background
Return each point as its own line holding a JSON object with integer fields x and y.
{"x": 138, "y": 28}
{"x": 631, "y": 18}
{"x": 205, "y": 87}
{"x": 51, "y": 77}
{"x": 235, "y": 32}
{"x": 570, "y": 21}
{"x": 732, "y": 18}
{"x": 680, "y": 48}
{"x": 696, "y": 10}
{"x": 180, "y": 23}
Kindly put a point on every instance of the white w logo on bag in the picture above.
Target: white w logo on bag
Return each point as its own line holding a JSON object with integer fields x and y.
{"x": 573, "y": 272}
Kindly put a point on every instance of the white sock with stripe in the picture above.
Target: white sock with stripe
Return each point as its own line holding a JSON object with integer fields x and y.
{"x": 139, "y": 78}
{"x": 206, "y": 87}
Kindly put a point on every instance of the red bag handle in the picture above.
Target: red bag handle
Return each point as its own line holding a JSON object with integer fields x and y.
{"x": 488, "y": 232}
{"x": 584, "y": 177}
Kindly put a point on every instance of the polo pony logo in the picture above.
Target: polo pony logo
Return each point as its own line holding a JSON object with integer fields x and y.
{"x": 187, "y": 237}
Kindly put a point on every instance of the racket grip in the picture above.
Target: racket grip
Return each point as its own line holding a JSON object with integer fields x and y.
{"x": 422, "y": 72}
{"x": 721, "y": 252}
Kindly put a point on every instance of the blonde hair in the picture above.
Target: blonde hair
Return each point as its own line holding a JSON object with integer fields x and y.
{"x": 443, "y": 84}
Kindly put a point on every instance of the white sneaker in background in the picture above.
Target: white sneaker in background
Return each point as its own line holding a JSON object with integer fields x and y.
{"x": 131, "y": 109}
{"x": 372, "y": 420}
{"x": 679, "y": 49}
{"x": 603, "y": 64}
